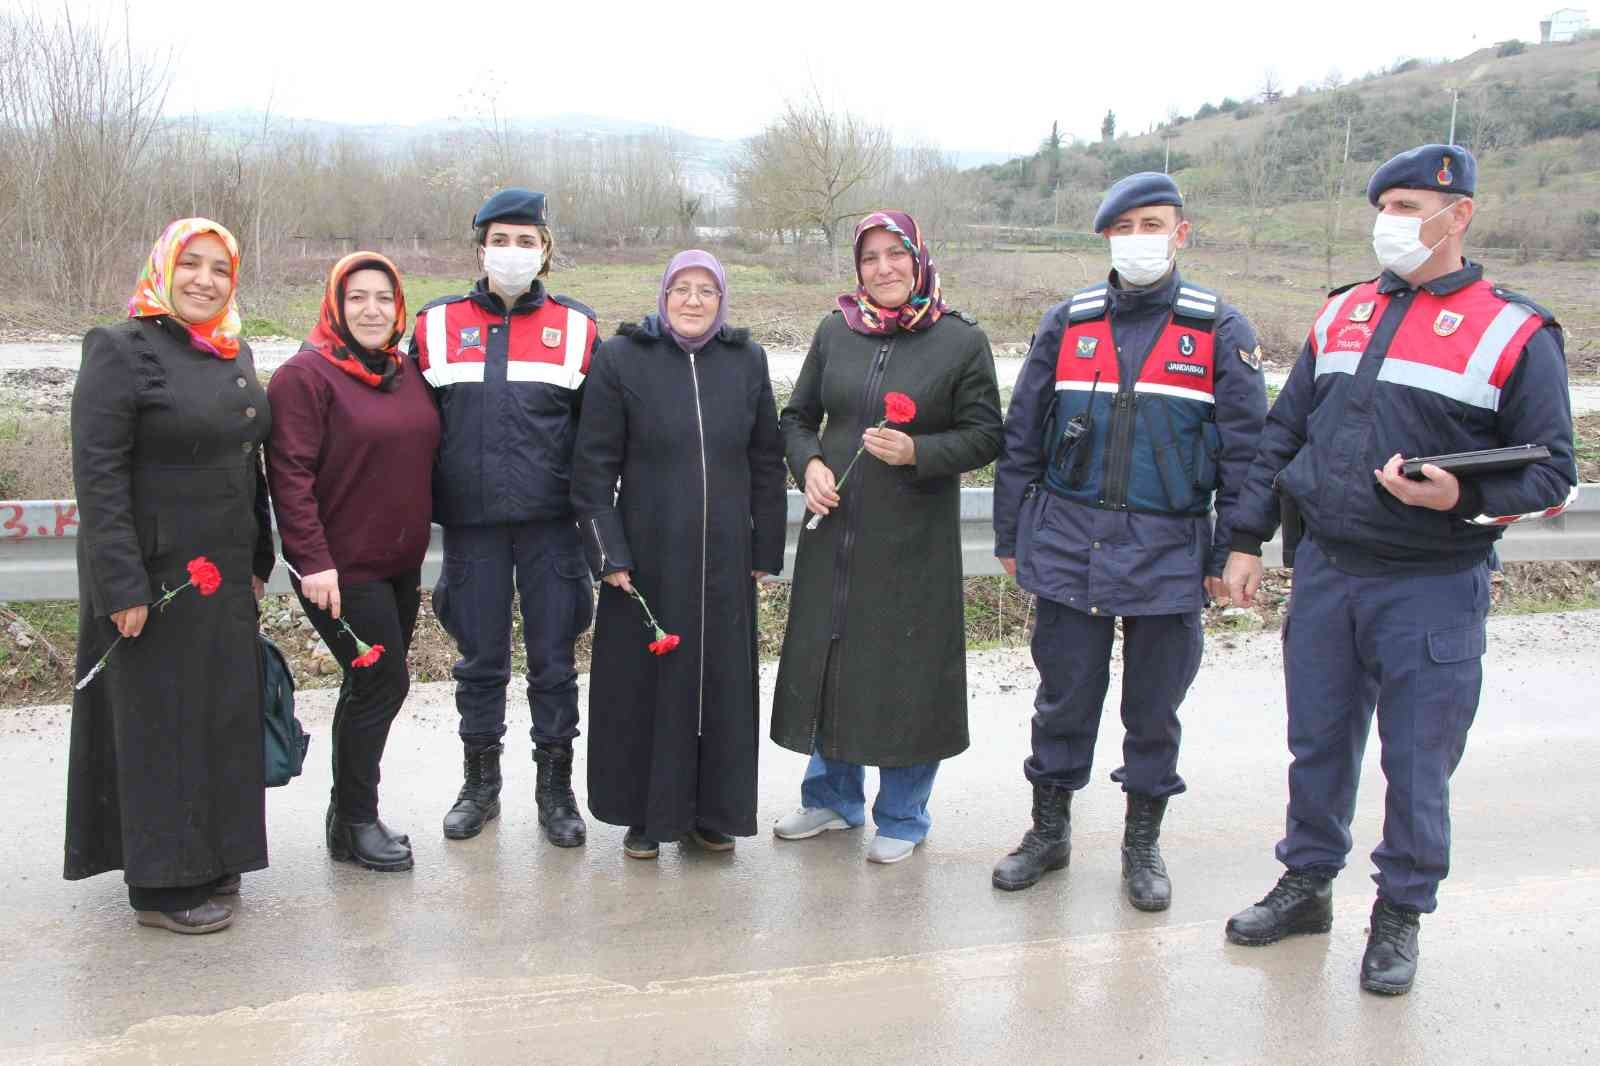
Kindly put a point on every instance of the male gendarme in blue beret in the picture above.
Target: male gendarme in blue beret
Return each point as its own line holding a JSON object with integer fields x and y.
{"x": 1146, "y": 189}
{"x": 1444, "y": 168}
{"x": 1391, "y": 585}
{"x": 1134, "y": 418}
{"x": 507, "y": 364}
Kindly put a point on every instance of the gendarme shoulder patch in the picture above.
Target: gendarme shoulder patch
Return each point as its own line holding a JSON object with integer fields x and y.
{"x": 1251, "y": 359}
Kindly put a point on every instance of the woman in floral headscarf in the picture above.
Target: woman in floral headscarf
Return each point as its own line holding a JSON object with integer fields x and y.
{"x": 354, "y": 432}
{"x": 874, "y": 667}
{"x": 165, "y": 775}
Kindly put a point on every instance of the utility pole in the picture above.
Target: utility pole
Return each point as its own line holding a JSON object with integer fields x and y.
{"x": 1455, "y": 98}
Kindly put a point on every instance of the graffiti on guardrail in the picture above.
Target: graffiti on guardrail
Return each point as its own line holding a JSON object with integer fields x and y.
{"x": 38, "y": 518}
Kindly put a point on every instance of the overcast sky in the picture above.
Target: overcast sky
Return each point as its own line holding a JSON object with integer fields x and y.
{"x": 972, "y": 76}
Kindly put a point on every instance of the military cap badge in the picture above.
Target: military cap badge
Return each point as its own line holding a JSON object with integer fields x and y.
{"x": 1444, "y": 177}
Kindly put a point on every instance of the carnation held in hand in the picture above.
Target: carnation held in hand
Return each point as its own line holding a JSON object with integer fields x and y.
{"x": 664, "y": 641}
{"x": 203, "y": 575}
{"x": 898, "y": 409}
{"x": 366, "y": 654}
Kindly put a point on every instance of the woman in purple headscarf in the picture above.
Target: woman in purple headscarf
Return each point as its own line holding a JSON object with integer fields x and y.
{"x": 679, "y": 409}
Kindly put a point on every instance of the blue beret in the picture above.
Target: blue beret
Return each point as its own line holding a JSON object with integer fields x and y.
{"x": 1136, "y": 190}
{"x": 1441, "y": 167}
{"x": 511, "y": 205}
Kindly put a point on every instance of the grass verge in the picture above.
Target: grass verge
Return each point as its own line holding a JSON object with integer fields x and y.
{"x": 38, "y": 640}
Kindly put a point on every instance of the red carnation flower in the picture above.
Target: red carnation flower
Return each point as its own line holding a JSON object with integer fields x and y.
{"x": 368, "y": 657}
{"x": 897, "y": 408}
{"x": 664, "y": 641}
{"x": 204, "y": 575}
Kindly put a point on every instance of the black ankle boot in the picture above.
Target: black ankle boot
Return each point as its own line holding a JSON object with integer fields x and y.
{"x": 1144, "y": 874}
{"x": 479, "y": 799}
{"x": 364, "y": 844}
{"x": 1298, "y": 903}
{"x": 327, "y": 829}
{"x": 1390, "y": 963}
{"x": 1047, "y": 846}
{"x": 558, "y": 807}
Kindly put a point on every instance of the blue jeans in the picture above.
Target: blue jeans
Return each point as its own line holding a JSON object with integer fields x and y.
{"x": 901, "y": 809}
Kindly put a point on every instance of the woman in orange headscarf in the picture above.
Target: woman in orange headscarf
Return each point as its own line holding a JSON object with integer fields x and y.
{"x": 165, "y": 775}
{"x": 351, "y": 464}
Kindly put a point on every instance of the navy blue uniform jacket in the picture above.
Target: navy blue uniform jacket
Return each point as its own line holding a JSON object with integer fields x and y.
{"x": 1457, "y": 365}
{"x": 1123, "y": 562}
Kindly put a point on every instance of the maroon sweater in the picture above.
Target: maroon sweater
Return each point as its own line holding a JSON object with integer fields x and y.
{"x": 351, "y": 469}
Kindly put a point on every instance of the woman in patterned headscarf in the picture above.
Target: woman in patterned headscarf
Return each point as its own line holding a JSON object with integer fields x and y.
{"x": 165, "y": 774}
{"x": 874, "y": 669}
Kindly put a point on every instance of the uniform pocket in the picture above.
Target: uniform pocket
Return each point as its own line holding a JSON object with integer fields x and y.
{"x": 1459, "y": 644}
{"x": 574, "y": 573}
{"x": 453, "y": 576}
{"x": 1453, "y": 679}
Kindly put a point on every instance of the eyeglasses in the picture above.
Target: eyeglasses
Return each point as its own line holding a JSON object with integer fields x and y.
{"x": 706, "y": 293}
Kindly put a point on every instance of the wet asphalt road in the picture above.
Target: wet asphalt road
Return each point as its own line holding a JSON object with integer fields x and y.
{"x": 504, "y": 949}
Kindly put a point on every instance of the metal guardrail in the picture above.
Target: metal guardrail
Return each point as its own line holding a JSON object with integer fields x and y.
{"x": 38, "y": 543}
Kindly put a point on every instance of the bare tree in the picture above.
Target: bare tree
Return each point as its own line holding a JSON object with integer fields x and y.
{"x": 809, "y": 170}
{"x": 82, "y": 109}
{"x": 1257, "y": 176}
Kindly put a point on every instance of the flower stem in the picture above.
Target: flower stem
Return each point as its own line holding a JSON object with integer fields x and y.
{"x": 816, "y": 519}
{"x": 94, "y": 671}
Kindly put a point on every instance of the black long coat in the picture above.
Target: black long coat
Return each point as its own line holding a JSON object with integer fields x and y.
{"x": 874, "y": 657}
{"x": 165, "y": 779}
{"x": 673, "y": 739}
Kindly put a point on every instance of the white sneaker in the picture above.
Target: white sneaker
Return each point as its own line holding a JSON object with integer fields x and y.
{"x": 888, "y": 850}
{"x": 808, "y": 822}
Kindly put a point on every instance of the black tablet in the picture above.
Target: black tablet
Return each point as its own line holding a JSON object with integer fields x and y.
{"x": 1467, "y": 464}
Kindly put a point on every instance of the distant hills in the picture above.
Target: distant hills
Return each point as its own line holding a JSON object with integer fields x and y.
{"x": 707, "y": 157}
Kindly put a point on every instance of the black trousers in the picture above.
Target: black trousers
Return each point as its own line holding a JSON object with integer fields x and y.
{"x": 379, "y": 612}
{"x": 183, "y": 898}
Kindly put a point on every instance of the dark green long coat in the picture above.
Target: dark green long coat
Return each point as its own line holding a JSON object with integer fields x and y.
{"x": 874, "y": 657}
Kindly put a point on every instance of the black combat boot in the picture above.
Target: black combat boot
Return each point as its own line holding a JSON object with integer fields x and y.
{"x": 1298, "y": 903}
{"x": 558, "y": 807}
{"x": 1390, "y": 963}
{"x": 1144, "y": 874}
{"x": 479, "y": 799}
{"x": 1047, "y": 846}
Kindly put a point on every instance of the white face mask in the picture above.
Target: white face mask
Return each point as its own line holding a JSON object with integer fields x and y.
{"x": 512, "y": 270}
{"x": 1397, "y": 241}
{"x": 1141, "y": 258}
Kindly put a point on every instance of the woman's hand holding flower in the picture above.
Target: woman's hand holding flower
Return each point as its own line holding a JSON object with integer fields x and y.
{"x": 891, "y": 446}
{"x": 622, "y": 579}
{"x": 130, "y": 623}
{"x": 322, "y": 589}
{"x": 822, "y": 494}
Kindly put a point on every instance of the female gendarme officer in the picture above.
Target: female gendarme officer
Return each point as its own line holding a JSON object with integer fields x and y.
{"x": 506, "y": 363}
